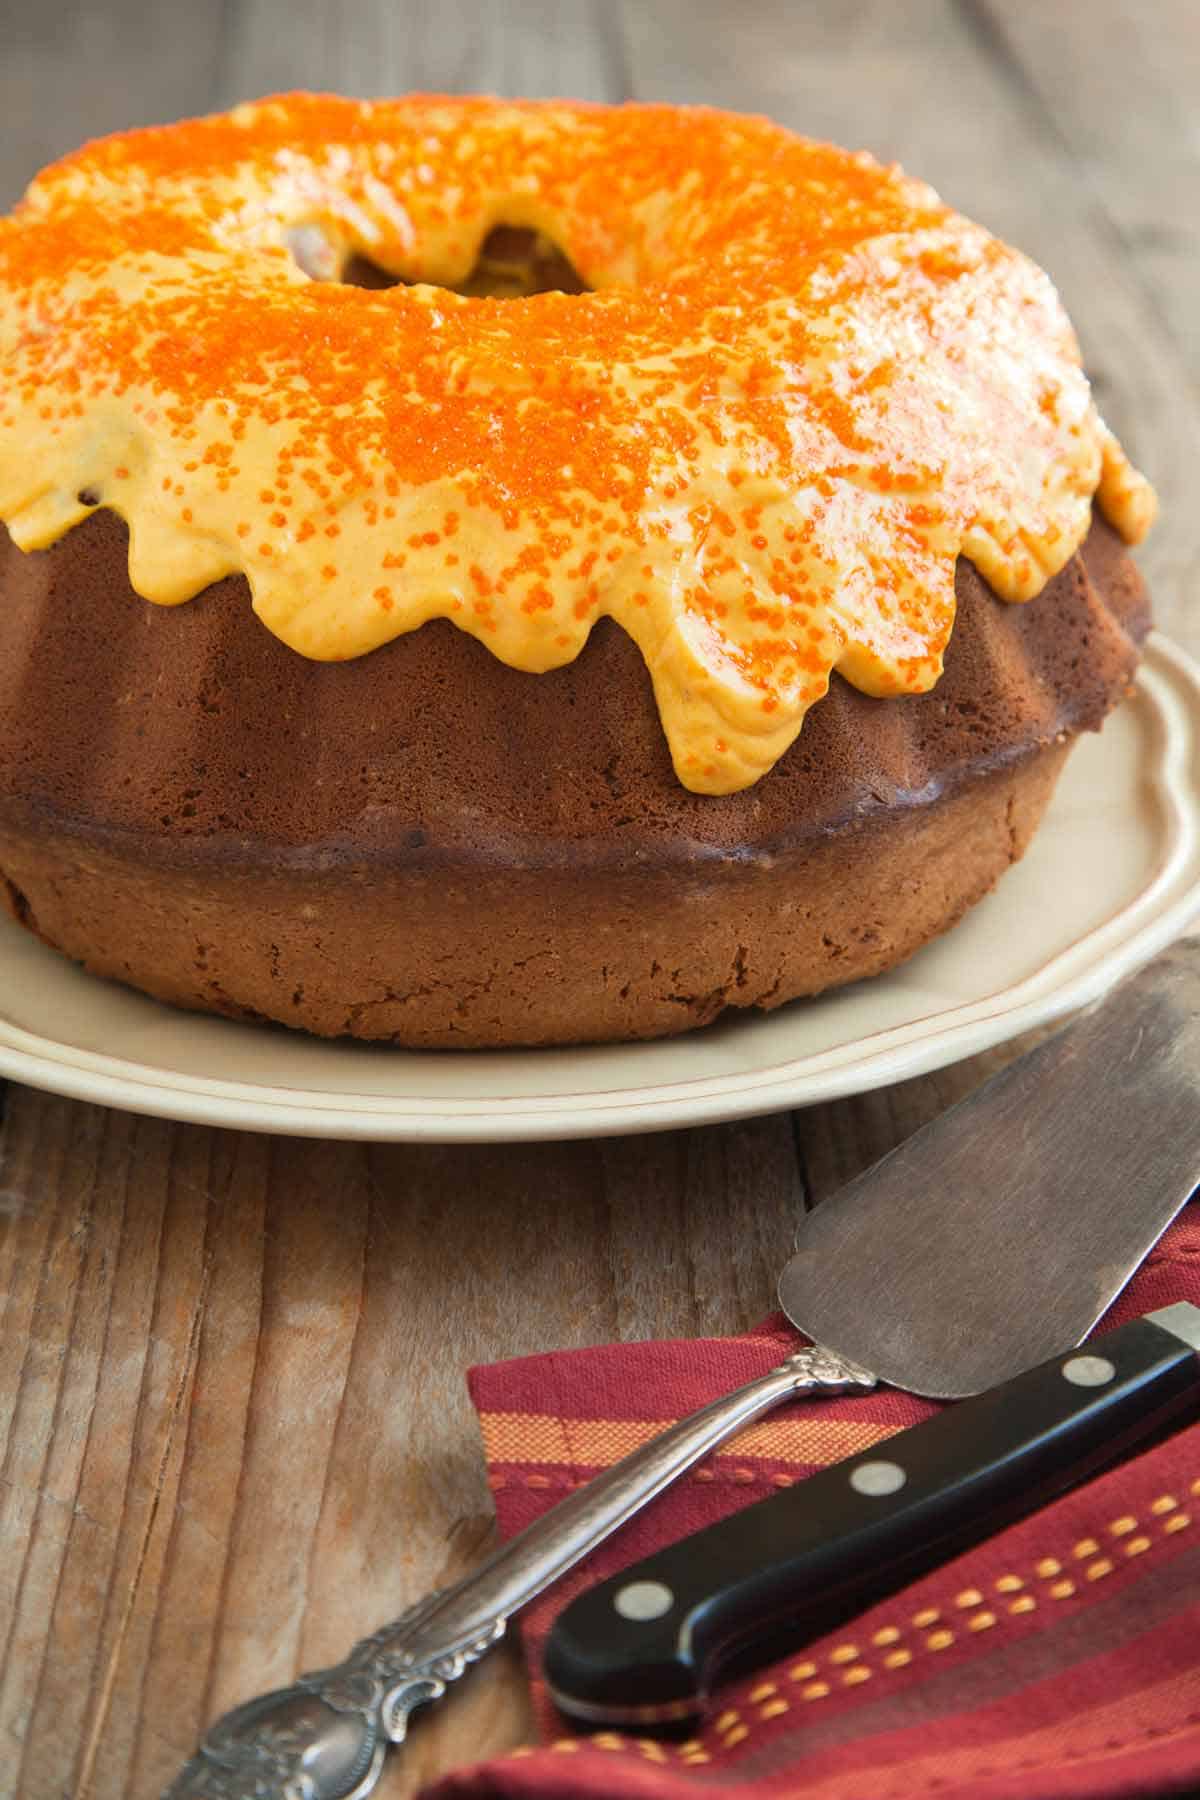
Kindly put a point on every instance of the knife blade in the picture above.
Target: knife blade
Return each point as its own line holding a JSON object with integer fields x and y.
{"x": 990, "y": 1242}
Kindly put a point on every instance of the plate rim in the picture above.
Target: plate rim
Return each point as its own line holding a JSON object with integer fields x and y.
{"x": 1074, "y": 977}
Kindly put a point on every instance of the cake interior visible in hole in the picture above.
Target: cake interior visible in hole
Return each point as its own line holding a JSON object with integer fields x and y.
{"x": 514, "y": 262}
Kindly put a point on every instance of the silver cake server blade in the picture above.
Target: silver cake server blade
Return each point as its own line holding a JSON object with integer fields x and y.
{"x": 1004, "y": 1229}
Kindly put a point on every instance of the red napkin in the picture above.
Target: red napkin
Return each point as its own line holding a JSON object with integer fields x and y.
{"x": 1061, "y": 1657}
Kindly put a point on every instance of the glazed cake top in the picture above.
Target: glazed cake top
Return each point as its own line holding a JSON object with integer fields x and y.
{"x": 798, "y": 389}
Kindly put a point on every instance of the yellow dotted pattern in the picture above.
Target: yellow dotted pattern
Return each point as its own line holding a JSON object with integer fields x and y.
{"x": 847, "y": 1664}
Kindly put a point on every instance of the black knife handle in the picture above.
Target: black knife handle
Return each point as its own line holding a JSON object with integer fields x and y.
{"x": 645, "y": 1646}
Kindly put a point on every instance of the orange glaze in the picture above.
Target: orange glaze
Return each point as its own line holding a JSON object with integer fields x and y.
{"x": 800, "y": 388}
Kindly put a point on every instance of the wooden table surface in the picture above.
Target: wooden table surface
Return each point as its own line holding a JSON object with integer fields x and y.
{"x": 233, "y": 1426}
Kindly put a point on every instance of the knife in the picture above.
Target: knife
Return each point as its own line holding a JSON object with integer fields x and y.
{"x": 992, "y": 1239}
{"x": 647, "y": 1646}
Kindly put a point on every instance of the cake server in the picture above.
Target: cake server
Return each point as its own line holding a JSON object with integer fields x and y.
{"x": 993, "y": 1238}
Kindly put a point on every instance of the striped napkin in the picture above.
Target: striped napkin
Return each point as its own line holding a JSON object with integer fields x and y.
{"x": 1061, "y": 1657}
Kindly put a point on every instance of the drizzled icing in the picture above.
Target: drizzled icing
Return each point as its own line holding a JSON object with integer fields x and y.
{"x": 800, "y": 388}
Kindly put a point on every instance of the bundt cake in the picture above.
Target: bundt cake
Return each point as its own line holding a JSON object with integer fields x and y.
{"x": 638, "y": 562}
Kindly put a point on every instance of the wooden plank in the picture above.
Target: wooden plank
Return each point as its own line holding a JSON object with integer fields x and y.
{"x": 68, "y": 75}
{"x": 530, "y": 47}
{"x": 72, "y": 72}
{"x": 239, "y": 1431}
{"x": 1119, "y": 85}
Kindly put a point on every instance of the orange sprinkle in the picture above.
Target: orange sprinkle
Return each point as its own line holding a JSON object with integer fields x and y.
{"x": 575, "y": 434}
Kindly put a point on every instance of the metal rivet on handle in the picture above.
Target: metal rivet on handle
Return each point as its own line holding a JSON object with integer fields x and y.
{"x": 643, "y": 1600}
{"x": 877, "y": 1478}
{"x": 1089, "y": 1371}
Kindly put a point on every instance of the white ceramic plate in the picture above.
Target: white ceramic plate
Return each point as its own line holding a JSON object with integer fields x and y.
{"x": 1112, "y": 877}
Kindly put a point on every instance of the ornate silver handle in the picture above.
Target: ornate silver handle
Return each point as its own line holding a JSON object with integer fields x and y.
{"x": 325, "y": 1737}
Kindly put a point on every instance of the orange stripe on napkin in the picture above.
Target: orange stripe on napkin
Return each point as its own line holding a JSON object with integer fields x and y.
{"x": 596, "y": 1443}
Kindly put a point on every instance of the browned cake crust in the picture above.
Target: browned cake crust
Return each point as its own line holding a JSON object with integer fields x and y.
{"x": 426, "y": 846}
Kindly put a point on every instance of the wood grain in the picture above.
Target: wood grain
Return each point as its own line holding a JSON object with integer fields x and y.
{"x": 1122, "y": 98}
{"x": 233, "y": 1426}
{"x": 73, "y": 71}
{"x": 234, "y": 1400}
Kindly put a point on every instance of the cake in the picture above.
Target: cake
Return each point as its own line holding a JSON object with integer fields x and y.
{"x": 693, "y": 611}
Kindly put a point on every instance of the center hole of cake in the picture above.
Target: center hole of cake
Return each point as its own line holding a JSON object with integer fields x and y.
{"x": 513, "y": 262}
